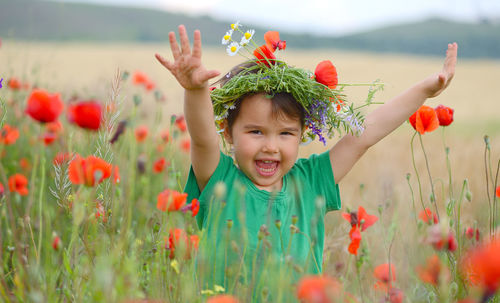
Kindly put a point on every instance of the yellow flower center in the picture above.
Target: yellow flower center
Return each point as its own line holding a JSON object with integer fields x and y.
{"x": 226, "y": 37}
{"x": 248, "y": 35}
{"x": 233, "y": 49}
{"x": 233, "y": 26}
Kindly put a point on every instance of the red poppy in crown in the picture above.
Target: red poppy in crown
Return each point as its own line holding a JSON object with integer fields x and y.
{"x": 273, "y": 41}
{"x": 326, "y": 74}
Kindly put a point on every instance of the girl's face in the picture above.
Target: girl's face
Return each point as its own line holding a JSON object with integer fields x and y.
{"x": 265, "y": 146}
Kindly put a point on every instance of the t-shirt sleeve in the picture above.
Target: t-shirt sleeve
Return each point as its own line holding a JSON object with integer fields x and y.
{"x": 193, "y": 191}
{"x": 318, "y": 170}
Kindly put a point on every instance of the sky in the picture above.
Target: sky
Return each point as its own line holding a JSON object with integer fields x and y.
{"x": 329, "y": 17}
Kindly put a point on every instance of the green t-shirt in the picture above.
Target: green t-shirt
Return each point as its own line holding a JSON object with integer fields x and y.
{"x": 308, "y": 192}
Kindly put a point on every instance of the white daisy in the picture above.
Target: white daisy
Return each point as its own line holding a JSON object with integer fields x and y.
{"x": 233, "y": 48}
{"x": 227, "y": 37}
{"x": 247, "y": 37}
{"x": 236, "y": 25}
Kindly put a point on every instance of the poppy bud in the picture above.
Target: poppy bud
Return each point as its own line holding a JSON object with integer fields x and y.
{"x": 295, "y": 219}
{"x": 487, "y": 141}
{"x": 229, "y": 223}
{"x": 277, "y": 223}
{"x": 444, "y": 114}
{"x": 56, "y": 242}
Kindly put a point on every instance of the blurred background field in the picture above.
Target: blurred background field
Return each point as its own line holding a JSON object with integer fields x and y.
{"x": 87, "y": 69}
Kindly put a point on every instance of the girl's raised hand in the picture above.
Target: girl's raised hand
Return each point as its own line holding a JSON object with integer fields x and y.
{"x": 187, "y": 67}
{"x": 439, "y": 82}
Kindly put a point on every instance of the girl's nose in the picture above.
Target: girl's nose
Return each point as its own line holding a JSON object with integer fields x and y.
{"x": 270, "y": 146}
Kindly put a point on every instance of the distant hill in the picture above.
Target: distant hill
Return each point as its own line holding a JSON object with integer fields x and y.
{"x": 58, "y": 21}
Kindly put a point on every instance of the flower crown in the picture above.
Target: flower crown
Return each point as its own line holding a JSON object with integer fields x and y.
{"x": 322, "y": 98}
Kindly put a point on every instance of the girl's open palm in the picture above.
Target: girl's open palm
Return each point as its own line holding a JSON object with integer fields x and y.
{"x": 444, "y": 77}
{"x": 187, "y": 67}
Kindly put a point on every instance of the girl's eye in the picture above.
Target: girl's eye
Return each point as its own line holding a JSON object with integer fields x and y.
{"x": 257, "y": 132}
{"x": 286, "y": 133}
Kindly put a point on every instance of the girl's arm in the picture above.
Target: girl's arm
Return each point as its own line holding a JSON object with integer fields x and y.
{"x": 192, "y": 75}
{"x": 386, "y": 118}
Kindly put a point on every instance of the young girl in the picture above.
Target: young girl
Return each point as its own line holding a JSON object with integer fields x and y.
{"x": 270, "y": 199}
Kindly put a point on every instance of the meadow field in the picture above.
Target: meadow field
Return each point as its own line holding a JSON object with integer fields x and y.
{"x": 100, "y": 260}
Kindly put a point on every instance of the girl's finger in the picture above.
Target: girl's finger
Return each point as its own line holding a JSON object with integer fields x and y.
{"x": 197, "y": 44}
{"x": 210, "y": 74}
{"x": 186, "y": 50}
{"x": 164, "y": 62}
{"x": 173, "y": 45}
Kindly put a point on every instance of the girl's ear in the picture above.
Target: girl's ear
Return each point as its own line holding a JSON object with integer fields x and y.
{"x": 227, "y": 133}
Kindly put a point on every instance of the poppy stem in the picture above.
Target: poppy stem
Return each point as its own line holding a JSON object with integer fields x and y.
{"x": 486, "y": 167}
{"x": 40, "y": 204}
{"x": 418, "y": 178}
{"x": 433, "y": 197}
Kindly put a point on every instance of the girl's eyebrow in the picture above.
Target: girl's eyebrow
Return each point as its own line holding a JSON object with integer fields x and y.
{"x": 287, "y": 129}
{"x": 248, "y": 126}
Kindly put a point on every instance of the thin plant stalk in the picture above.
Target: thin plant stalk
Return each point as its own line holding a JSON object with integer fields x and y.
{"x": 430, "y": 177}
{"x": 418, "y": 177}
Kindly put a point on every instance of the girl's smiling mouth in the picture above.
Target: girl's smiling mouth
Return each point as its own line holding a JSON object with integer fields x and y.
{"x": 266, "y": 168}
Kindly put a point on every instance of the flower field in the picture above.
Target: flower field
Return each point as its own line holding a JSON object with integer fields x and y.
{"x": 95, "y": 152}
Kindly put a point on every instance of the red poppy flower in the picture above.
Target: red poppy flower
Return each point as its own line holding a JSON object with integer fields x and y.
{"x": 159, "y": 165}
{"x": 9, "y": 134}
{"x": 396, "y": 295}
{"x": 360, "y": 218}
{"x": 165, "y": 136}
{"x": 150, "y": 85}
{"x": 424, "y": 120}
{"x": 471, "y": 232}
{"x": 44, "y": 107}
{"x": 24, "y": 164}
{"x": 2, "y": 190}
{"x": 54, "y": 127}
{"x": 141, "y": 132}
{"x": 139, "y": 78}
{"x": 116, "y": 174}
{"x": 86, "y": 114}
{"x": 180, "y": 122}
{"x": 48, "y": 138}
{"x": 195, "y": 207}
{"x": 385, "y": 275}
{"x": 318, "y": 289}
{"x": 432, "y": 272}
{"x": 14, "y": 83}
{"x": 273, "y": 41}
{"x": 326, "y": 74}
{"x": 444, "y": 114}
{"x": 89, "y": 171}
{"x": 186, "y": 144}
{"x": 498, "y": 192}
{"x": 62, "y": 157}
{"x": 440, "y": 240}
{"x": 222, "y": 299}
{"x": 18, "y": 183}
{"x": 170, "y": 200}
{"x": 178, "y": 240}
{"x": 426, "y": 215}
{"x": 482, "y": 266}
{"x": 264, "y": 55}
{"x": 100, "y": 213}
{"x": 355, "y": 235}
